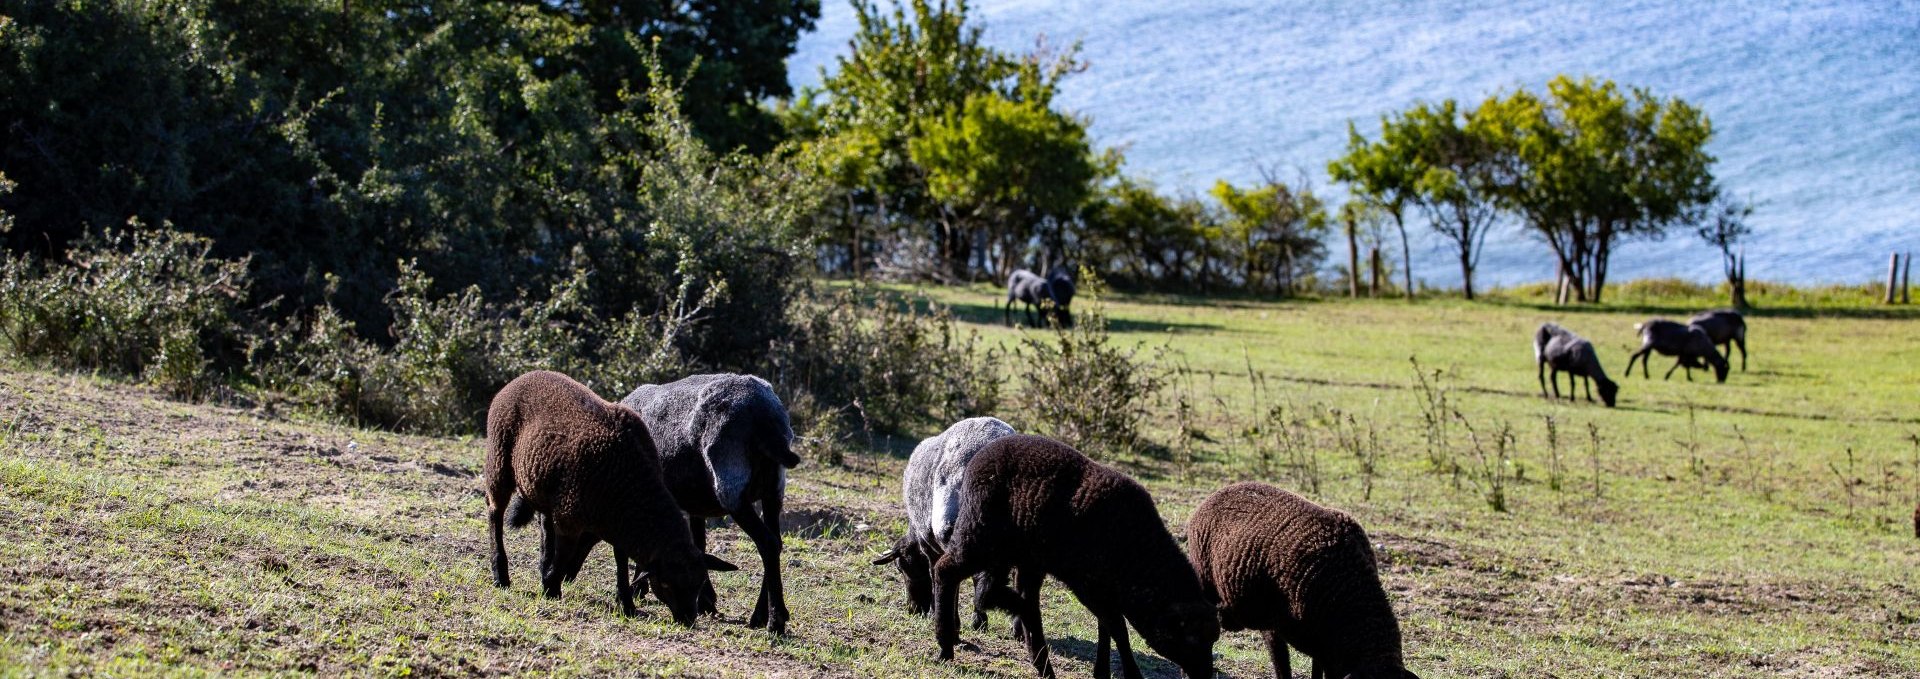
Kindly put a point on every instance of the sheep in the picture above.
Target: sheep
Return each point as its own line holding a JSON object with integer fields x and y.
{"x": 1562, "y": 350}
{"x": 1690, "y": 344}
{"x": 1055, "y": 292}
{"x": 1303, "y": 574}
{"x": 1724, "y": 326}
{"x": 931, "y": 493}
{"x": 590, "y": 467}
{"x": 1041, "y": 508}
{"x": 725, "y": 443}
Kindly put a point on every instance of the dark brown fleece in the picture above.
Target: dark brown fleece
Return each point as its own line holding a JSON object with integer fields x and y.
{"x": 590, "y": 468}
{"x": 1040, "y": 507}
{"x": 1277, "y": 562}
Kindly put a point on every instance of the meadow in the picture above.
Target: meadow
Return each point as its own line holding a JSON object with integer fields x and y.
{"x": 1757, "y": 527}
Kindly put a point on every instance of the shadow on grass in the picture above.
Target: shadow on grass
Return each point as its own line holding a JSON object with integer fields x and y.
{"x": 987, "y": 314}
{"x": 1678, "y": 312}
{"x": 1083, "y": 651}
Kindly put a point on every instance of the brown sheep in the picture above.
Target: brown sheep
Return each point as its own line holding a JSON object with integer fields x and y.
{"x": 1300, "y": 572}
{"x": 1042, "y": 508}
{"x": 590, "y": 468}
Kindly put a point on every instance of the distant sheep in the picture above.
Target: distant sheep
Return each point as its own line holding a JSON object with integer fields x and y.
{"x": 1690, "y": 345}
{"x": 591, "y": 468}
{"x": 931, "y": 493}
{"x": 1300, "y": 572}
{"x": 1042, "y": 508}
{"x": 1564, "y": 351}
{"x": 1725, "y": 327}
{"x": 1054, "y": 293}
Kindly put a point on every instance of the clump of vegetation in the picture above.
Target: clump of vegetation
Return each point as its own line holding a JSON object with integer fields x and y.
{"x": 1077, "y": 386}
{"x": 884, "y": 363}
{"x": 133, "y": 302}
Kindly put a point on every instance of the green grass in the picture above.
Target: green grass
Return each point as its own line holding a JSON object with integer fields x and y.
{"x": 143, "y": 536}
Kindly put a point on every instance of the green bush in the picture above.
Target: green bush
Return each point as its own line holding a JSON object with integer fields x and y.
{"x": 884, "y": 365}
{"x": 1078, "y": 387}
{"x": 135, "y": 303}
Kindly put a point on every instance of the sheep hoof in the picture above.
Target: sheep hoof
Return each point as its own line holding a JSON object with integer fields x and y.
{"x": 979, "y": 621}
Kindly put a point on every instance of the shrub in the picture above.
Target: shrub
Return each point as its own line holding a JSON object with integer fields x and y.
{"x": 1076, "y": 386}
{"x": 134, "y": 303}
{"x": 884, "y": 365}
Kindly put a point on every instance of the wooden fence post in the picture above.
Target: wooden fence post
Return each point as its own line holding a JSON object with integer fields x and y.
{"x": 1893, "y": 276}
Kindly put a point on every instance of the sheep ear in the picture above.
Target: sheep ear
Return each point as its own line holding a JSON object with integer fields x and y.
{"x": 714, "y": 563}
{"x": 890, "y": 556}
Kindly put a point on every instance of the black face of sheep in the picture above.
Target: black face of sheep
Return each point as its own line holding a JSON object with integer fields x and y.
{"x": 1185, "y": 638}
{"x": 680, "y": 583}
{"x": 1061, "y": 289}
{"x": 916, "y": 568}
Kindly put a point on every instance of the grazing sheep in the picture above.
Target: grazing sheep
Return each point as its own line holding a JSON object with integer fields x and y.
{"x": 1724, "y": 326}
{"x": 1060, "y": 278}
{"x": 931, "y": 492}
{"x": 1303, "y": 574}
{"x": 1030, "y": 289}
{"x": 725, "y": 444}
{"x": 1690, "y": 345}
{"x": 590, "y": 467}
{"x": 1560, "y": 349}
{"x": 1041, "y": 508}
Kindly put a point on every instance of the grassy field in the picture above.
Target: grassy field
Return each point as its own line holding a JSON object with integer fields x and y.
{"x": 1755, "y": 528}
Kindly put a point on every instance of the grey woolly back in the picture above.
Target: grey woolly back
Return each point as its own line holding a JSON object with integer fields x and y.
{"x": 723, "y": 418}
{"x": 1027, "y": 286}
{"x": 934, "y": 474}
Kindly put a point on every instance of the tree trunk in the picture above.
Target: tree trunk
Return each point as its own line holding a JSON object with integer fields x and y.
{"x": 1466, "y": 270}
{"x": 1560, "y": 284}
{"x": 1373, "y": 287}
{"x": 1406, "y": 252}
{"x": 1353, "y": 258}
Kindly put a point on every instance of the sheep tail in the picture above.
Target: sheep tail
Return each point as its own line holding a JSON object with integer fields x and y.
{"x": 519, "y": 513}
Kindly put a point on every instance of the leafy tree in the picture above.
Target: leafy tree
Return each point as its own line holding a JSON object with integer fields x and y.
{"x": 1590, "y": 166}
{"x": 911, "y": 69}
{"x": 1276, "y": 232}
{"x": 1006, "y": 166}
{"x": 1453, "y": 166}
{"x": 1384, "y": 174}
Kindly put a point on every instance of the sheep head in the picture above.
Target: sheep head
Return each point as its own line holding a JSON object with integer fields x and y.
{"x": 680, "y": 581}
{"x": 916, "y": 568}
{"x": 1185, "y": 636}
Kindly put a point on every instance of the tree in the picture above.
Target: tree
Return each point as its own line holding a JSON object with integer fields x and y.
{"x": 910, "y": 68}
{"x": 1725, "y": 227}
{"x": 1276, "y": 231}
{"x": 1451, "y": 168}
{"x": 1384, "y": 174}
{"x": 1005, "y": 166}
{"x": 1591, "y": 166}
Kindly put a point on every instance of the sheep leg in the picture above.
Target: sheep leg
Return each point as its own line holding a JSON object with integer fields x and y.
{"x": 1573, "y": 390}
{"x": 552, "y": 545}
{"x": 1676, "y": 366}
{"x": 947, "y": 574}
{"x": 1641, "y": 356}
{"x": 709, "y": 600}
{"x": 771, "y": 610}
{"x": 1553, "y": 376}
{"x": 1541, "y": 372}
{"x": 1588, "y": 383}
{"x": 1006, "y": 312}
{"x": 1277, "y": 652}
{"x": 1128, "y": 667}
{"x": 622, "y": 587}
{"x": 1742, "y": 341}
{"x": 1102, "y": 664}
{"x": 1027, "y": 583}
{"x": 496, "y": 513}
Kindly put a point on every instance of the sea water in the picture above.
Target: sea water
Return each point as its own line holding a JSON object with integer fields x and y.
{"x": 1815, "y": 105}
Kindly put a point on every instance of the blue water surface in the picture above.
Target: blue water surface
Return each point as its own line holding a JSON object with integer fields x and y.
{"x": 1816, "y": 105}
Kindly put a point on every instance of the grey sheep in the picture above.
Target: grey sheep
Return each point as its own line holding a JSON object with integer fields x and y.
{"x": 1053, "y": 293}
{"x": 1041, "y": 508}
{"x": 589, "y": 466}
{"x": 1563, "y": 351}
{"x": 1690, "y": 345}
{"x": 1725, "y": 327}
{"x": 1303, "y": 574}
{"x": 931, "y": 493}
